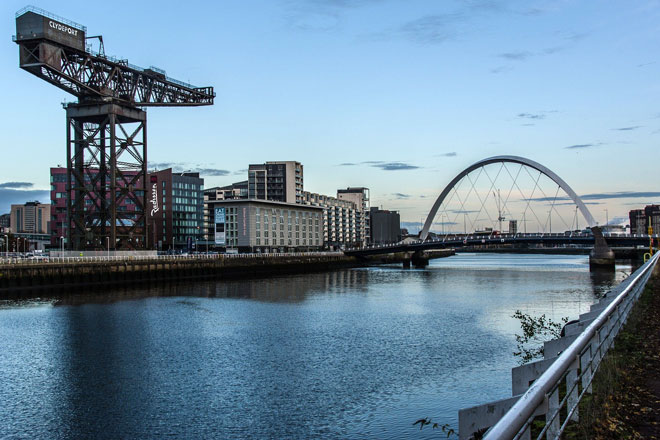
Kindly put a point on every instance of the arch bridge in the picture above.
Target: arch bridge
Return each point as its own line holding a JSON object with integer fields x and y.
{"x": 600, "y": 255}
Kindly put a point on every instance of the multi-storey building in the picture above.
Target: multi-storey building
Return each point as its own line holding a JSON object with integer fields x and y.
{"x": 345, "y": 217}
{"x": 176, "y": 209}
{"x": 5, "y": 221}
{"x": 32, "y": 217}
{"x": 265, "y": 226}
{"x": 58, "y": 215}
{"x": 238, "y": 190}
{"x": 641, "y": 219}
{"x": 276, "y": 181}
{"x": 360, "y": 197}
{"x": 385, "y": 226}
{"x": 341, "y": 220}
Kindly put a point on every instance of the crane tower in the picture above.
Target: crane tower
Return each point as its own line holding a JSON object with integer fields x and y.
{"x": 106, "y": 129}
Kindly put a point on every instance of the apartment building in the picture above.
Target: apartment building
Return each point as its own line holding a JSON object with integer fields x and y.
{"x": 276, "y": 181}
{"x": 31, "y": 217}
{"x": 341, "y": 220}
{"x": 641, "y": 219}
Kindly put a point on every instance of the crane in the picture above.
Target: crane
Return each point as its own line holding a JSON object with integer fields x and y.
{"x": 106, "y": 128}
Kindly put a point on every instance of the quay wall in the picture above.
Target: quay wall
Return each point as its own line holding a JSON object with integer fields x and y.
{"x": 17, "y": 278}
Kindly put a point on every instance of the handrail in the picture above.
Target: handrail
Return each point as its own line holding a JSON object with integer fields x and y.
{"x": 510, "y": 425}
{"x": 92, "y": 259}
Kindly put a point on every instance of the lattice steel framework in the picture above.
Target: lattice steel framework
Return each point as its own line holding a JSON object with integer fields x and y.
{"x": 93, "y": 77}
{"x": 106, "y": 129}
{"x": 106, "y": 165}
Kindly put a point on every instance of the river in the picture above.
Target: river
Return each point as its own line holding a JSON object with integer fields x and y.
{"x": 358, "y": 353}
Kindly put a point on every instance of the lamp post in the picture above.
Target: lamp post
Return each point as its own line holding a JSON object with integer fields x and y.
{"x": 6, "y": 245}
{"x": 107, "y": 241}
{"x": 62, "y": 245}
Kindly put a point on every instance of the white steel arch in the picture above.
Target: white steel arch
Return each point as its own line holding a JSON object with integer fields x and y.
{"x": 506, "y": 159}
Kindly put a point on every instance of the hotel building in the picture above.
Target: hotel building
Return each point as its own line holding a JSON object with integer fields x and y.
{"x": 264, "y": 226}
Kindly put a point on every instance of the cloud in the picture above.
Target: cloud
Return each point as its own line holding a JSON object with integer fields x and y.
{"x": 441, "y": 27}
{"x": 211, "y": 172}
{"x": 646, "y": 64}
{"x": 531, "y": 115}
{"x": 566, "y": 203}
{"x": 161, "y": 165}
{"x": 605, "y": 196}
{"x": 451, "y": 154}
{"x": 500, "y": 69}
{"x": 10, "y": 197}
{"x": 320, "y": 15}
{"x": 634, "y": 127}
{"x": 578, "y": 146}
{"x": 432, "y": 29}
{"x": 524, "y": 55}
{"x": 180, "y": 167}
{"x": 385, "y": 166}
{"x": 516, "y": 56}
{"x": 239, "y": 172}
{"x": 401, "y": 196}
{"x": 395, "y": 166}
{"x": 618, "y": 220}
{"x": 412, "y": 227}
{"x": 16, "y": 185}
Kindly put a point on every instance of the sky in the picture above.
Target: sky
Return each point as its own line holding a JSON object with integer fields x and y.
{"x": 397, "y": 96}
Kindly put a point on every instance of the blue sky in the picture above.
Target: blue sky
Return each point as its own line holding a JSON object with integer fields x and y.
{"x": 399, "y": 96}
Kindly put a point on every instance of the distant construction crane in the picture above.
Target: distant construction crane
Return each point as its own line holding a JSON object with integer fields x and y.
{"x": 106, "y": 128}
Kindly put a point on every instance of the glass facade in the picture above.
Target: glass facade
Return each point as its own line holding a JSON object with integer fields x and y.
{"x": 187, "y": 209}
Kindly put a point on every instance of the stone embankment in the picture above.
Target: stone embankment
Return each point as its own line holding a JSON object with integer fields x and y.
{"x": 18, "y": 277}
{"x": 23, "y": 278}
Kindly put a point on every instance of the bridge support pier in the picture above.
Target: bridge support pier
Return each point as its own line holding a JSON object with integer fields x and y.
{"x": 601, "y": 255}
{"x": 419, "y": 259}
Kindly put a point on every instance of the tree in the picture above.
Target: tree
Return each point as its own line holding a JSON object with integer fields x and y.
{"x": 536, "y": 330}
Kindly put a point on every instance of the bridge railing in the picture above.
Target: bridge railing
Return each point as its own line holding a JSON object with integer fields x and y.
{"x": 159, "y": 258}
{"x": 573, "y": 368}
{"x": 500, "y": 236}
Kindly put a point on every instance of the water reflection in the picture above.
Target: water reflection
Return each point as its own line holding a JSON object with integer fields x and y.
{"x": 347, "y": 354}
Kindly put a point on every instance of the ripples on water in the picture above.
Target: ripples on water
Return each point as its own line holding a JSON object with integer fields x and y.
{"x": 358, "y": 353}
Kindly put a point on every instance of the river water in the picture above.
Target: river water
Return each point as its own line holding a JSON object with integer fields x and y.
{"x": 358, "y": 353}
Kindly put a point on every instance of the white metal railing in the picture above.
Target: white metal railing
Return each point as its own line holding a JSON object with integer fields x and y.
{"x": 584, "y": 355}
{"x": 465, "y": 237}
{"x": 99, "y": 259}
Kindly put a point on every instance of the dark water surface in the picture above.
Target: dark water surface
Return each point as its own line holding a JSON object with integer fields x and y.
{"x": 358, "y": 353}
